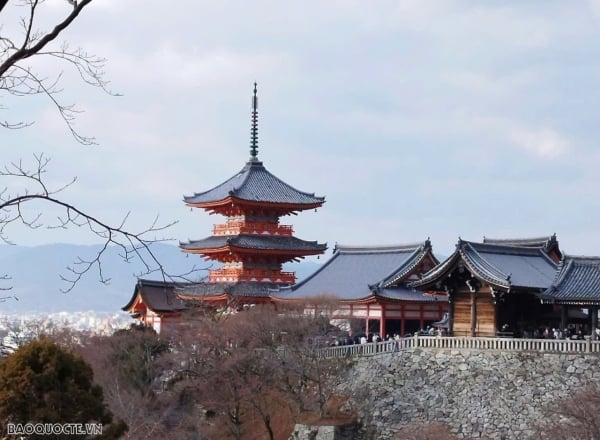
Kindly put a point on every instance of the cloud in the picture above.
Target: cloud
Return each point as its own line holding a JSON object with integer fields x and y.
{"x": 545, "y": 143}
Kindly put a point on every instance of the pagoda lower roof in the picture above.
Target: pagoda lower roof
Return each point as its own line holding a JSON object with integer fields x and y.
{"x": 355, "y": 273}
{"x": 251, "y": 242}
{"x": 255, "y": 184}
{"x": 202, "y": 290}
{"x": 502, "y": 265}
{"x": 577, "y": 282}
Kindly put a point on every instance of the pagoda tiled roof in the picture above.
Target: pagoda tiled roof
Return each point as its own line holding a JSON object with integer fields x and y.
{"x": 354, "y": 273}
{"x": 577, "y": 282}
{"x": 236, "y": 289}
{"x": 255, "y": 183}
{"x": 505, "y": 266}
{"x": 158, "y": 296}
{"x": 253, "y": 241}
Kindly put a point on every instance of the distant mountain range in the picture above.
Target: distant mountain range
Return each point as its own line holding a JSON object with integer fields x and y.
{"x": 36, "y": 284}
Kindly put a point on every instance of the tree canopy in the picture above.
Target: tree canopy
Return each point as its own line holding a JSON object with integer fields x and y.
{"x": 43, "y": 382}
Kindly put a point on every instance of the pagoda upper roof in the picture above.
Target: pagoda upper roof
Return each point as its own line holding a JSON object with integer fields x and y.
{"x": 255, "y": 242}
{"x": 577, "y": 282}
{"x": 254, "y": 183}
{"x": 355, "y": 273}
{"x": 157, "y": 296}
{"x": 502, "y": 265}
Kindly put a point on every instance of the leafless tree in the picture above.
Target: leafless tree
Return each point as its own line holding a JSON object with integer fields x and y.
{"x": 19, "y": 79}
{"x": 25, "y": 194}
{"x": 575, "y": 417}
{"x": 256, "y": 371}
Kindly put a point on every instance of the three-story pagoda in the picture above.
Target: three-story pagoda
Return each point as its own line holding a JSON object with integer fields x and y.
{"x": 251, "y": 245}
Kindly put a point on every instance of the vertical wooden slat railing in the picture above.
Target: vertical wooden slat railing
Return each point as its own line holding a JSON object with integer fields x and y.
{"x": 478, "y": 343}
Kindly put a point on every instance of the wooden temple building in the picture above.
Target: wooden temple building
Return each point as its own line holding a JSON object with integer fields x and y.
{"x": 155, "y": 304}
{"x": 369, "y": 287}
{"x": 576, "y": 286}
{"x": 495, "y": 286}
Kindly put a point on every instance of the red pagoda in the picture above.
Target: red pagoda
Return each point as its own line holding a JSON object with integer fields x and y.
{"x": 251, "y": 245}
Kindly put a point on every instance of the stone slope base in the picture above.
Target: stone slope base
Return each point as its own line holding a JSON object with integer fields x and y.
{"x": 313, "y": 432}
{"x": 478, "y": 394}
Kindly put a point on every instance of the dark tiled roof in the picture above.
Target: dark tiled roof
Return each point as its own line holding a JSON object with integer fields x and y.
{"x": 577, "y": 282}
{"x": 356, "y": 272}
{"x": 262, "y": 242}
{"x": 205, "y": 289}
{"x": 402, "y": 293}
{"x": 549, "y": 243}
{"x": 254, "y": 183}
{"x": 501, "y": 265}
{"x": 159, "y": 296}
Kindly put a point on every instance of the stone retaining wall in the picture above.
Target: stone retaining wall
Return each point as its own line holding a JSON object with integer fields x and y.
{"x": 478, "y": 393}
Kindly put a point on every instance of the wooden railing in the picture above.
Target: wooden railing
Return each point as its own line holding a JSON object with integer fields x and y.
{"x": 240, "y": 227}
{"x": 503, "y": 344}
{"x": 231, "y": 275}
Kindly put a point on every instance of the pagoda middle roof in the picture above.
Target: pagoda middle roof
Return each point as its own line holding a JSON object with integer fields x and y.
{"x": 253, "y": 241}
{"x": 254, "y": 183}
{"x": 577, "y": 282}
{"x": 502, "y": 265}
{"x": 354, "y": 273}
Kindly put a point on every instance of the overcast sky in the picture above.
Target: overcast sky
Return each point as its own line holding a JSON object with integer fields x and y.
{"x": 414, "y": 119}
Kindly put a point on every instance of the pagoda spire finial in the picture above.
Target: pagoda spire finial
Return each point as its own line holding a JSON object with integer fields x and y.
{"x": 254, "y": 129}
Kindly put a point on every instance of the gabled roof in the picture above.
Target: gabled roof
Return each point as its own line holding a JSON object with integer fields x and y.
{"x": 255, "y": 242}
{"x": 504, "y": 266}
{"x": 577, "y": 282}
{"x": 548, "y": 243}
{"x": 157, "y": 296}
{"x": 354, "y": 273}
{"x": 255, "y": 184}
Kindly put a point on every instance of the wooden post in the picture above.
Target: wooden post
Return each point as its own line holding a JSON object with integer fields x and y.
{"x": 450, "y": 315}
{"x": 564, "y": 317}
{"x": 594, "y": 315}
{"x": 473, "y": 314}
{"x": 382, "y": 323}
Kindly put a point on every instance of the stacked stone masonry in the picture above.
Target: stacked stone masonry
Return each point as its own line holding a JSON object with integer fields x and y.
{"x": 477, "y": 393}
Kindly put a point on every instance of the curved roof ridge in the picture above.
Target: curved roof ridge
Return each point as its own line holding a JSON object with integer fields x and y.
{"x": 409, "y": 264}
{"x": 481, "y": 263}
{"x": 531, "y": 240}
{"x": 223, "y": 184}
{"x": 384, "y": 248}
{"x": 306, "y": 193}
{"x": 561, "y": 273}
{"x": 437, "y": 270}
{"x": 582, "y": 258}
{"x": 255, "y": 183}
{"x": 319, "y": 270}
{"x": 504, "y": 248}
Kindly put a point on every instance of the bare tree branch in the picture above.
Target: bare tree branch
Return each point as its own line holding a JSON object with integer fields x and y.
{"x": 130, "y": 244}
{"x": 18, "y": 79}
